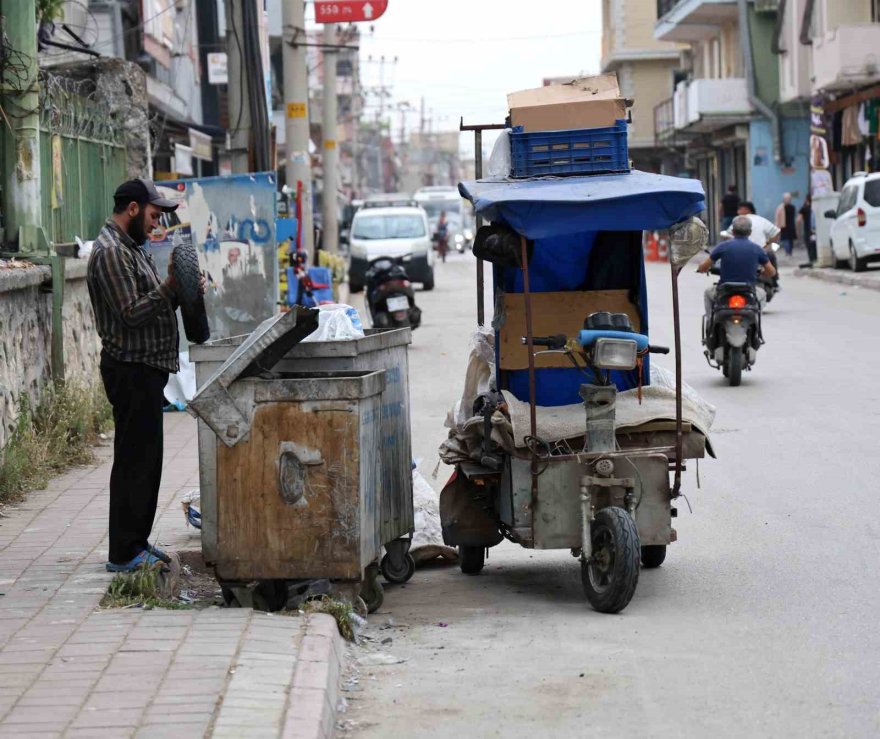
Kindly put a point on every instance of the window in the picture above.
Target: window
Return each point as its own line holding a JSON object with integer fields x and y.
{"x": 847, "y": 199}
{"x": 872, "y": 192}
{"x": 388, "y": 227}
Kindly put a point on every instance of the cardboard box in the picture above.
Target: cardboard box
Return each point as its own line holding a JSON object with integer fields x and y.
{"x": 588, "y": 102}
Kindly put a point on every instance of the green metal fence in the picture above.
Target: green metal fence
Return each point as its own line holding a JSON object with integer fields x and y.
{"x": 82, "y": 158}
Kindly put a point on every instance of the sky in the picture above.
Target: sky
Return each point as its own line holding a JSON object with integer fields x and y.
{"x": 464, "y": 56}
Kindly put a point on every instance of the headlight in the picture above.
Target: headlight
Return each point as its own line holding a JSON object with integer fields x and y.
{"x": 614, "y": 354}
{"x": 468, "y": 234}
{"x": 459, "y": 239}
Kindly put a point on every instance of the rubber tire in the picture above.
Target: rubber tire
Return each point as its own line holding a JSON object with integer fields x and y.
{"x": 618, "y": 592}
{"x": 270, "y": 595}
{"x": 471, "y": 559}
{"x": 428, "y": 284}
{"x": 735, "y": 365}
{"x": 186, "y": 273}
{"x": 653, "y": 555}
{"x": 835, "y": 262}
{"x": 195, "y": 321}
{"x": 855, "y": 264}
{"x": 372, "y": 594}
{"x": 398, "y": 576}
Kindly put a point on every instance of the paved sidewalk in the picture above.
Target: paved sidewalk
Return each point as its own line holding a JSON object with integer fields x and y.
{"x": 868, "y": 280}
{"x": 70, "y": 669}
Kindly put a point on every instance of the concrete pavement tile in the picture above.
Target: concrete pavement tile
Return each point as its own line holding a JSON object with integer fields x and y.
{"x": 303, "y": 729}
{"x": 106, "y": 732}
{"x": 32, "y": 731}
{"x": 118, "y": 700}
{"x": 113, "y": 718}
{"x": 39, "y": 714}
{"x": 165, "y": 731}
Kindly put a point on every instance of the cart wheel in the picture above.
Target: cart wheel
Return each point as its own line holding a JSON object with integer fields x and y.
{"x": 398, "y": 573}
{"x": 653, "y": 555}
{"x": 270, "y": 595}
{"x": 471, "y": 559}
{"x": 371, "y": 590}
{"x": 612, "y": 573}
{"x": 736, "y": 366}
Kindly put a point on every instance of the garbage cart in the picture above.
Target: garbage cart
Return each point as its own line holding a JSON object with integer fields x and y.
{"x": 297, "y": 469}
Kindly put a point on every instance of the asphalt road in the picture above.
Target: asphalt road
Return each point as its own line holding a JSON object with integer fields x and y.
{"x": 762, "y": 621}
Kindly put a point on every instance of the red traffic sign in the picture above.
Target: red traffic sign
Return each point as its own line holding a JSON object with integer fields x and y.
{"x": 349, "y": 11}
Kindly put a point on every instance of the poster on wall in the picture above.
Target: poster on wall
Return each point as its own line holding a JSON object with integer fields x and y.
{"x": 231, "y": 222}
{"x": 820, "y": 177}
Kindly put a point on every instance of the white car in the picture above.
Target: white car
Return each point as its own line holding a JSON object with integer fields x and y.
{"x": 391, "y": 232}
{"x": 855, "y": 232}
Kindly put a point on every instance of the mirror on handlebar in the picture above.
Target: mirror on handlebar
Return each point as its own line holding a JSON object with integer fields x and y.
{"x": 686, "y": 240}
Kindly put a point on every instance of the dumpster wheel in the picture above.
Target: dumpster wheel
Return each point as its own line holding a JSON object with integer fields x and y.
{"x": 398, "y": 572}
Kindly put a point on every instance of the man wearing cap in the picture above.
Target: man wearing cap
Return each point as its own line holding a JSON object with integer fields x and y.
{"x": 135, "y": 317}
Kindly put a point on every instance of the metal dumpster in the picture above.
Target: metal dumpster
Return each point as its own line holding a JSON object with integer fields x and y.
{"x": 379, "y": 350}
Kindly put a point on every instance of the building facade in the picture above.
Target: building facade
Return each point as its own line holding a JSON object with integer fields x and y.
{"x": 645, "y": 68}
{"x": 727, "y": 109}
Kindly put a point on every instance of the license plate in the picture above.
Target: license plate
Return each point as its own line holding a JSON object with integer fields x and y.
{"x": 395, "y": 304}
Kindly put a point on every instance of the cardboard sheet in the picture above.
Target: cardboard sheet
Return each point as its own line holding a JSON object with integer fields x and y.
{"x": 554, "y": 313}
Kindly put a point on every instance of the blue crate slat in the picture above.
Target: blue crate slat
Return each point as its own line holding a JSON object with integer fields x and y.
{"x": 576, "y": 151}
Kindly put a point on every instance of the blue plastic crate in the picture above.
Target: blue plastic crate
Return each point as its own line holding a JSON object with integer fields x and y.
{"x": 578, "y": 151}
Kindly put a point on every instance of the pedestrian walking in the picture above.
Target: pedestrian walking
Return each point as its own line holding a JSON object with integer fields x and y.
{"x": 808, "y": 230}
{"x": 786, "y": 221}
{"x": 135, "y": 318}
{"x": 728, "y": 207}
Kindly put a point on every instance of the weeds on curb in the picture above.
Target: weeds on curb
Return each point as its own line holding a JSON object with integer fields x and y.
{"x": 48, "y": 439}
{"x": 142, "y": 588}
{"x": 341, "y": 610}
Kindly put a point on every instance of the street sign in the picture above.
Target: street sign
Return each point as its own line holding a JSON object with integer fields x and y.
{"x": 349, "y": 11}
{"x": 217, "y": 72}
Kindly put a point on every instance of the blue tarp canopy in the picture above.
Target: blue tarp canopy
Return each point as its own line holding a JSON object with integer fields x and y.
{"x": 541, "y": 208}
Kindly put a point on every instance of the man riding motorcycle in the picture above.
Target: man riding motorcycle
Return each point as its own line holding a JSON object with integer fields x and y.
{"x": 740, "y": 260}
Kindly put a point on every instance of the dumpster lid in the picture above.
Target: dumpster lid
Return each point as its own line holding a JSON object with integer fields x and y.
{"x": 260, "y": 352}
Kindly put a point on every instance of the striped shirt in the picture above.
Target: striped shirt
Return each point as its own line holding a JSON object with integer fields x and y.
{"x": 134, "y": 310}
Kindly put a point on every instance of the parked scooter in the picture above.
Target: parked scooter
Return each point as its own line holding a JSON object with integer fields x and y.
{"x": 732, "y": 332}
{"x": 390, "y": 297}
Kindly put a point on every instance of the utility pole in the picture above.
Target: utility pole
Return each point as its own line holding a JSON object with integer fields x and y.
{"x": 21, "y": 178}
{"x": 297, "y": 164}
{"x": 239, "y": 136}
{"x": 330, "y": 222}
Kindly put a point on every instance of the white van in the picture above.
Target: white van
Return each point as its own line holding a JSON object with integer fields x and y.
{"x": 391, "y": 232}
{"x": 855, "y": 232}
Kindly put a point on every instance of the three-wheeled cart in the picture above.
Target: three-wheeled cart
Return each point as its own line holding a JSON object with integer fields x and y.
{"x": 572, "y": 360}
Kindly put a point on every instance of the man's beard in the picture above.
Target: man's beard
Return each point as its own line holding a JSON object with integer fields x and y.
{"x": 137, "y": 228}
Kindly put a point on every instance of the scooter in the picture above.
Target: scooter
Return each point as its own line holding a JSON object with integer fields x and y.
{"x": 389, "y": 294}
{"x": 732, "y": 333}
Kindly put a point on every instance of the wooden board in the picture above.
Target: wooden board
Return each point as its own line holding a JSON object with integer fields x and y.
{"x": 262, "y": 535}
{"x": 554, "y": 313}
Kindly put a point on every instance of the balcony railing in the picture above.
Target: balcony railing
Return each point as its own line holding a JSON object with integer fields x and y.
{"x": 664, "y": 6}
{"x": 664, "y": 121}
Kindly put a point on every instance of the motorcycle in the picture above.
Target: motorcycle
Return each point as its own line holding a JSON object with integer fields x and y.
{"x": 390, "y": 297}
{"x": 732, "y": 332}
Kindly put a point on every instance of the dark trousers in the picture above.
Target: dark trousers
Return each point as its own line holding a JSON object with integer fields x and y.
{"x": 136, "y": 393}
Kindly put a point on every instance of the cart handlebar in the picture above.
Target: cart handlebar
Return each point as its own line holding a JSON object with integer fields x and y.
{"x": 658, "y": 349}
{"x": 553, "y": 342}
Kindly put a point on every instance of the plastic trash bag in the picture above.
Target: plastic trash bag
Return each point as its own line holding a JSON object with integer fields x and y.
{"x": 499, "y": 165}
{"x": 337, "y": 322}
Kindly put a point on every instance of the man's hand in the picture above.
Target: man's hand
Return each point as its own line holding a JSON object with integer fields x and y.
{"x": 705, "y": 266}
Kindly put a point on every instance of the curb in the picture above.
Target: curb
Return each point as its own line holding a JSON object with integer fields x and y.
{"x": 314, "y": 695}
{"x": 838, "y": 277}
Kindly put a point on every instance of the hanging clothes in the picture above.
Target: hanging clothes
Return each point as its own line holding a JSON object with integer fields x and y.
{"x": 872, "y": 109}
{"x": 863, "y": 121}
{"x": 836, "y": 130}
{"x": 851, "y": 135}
